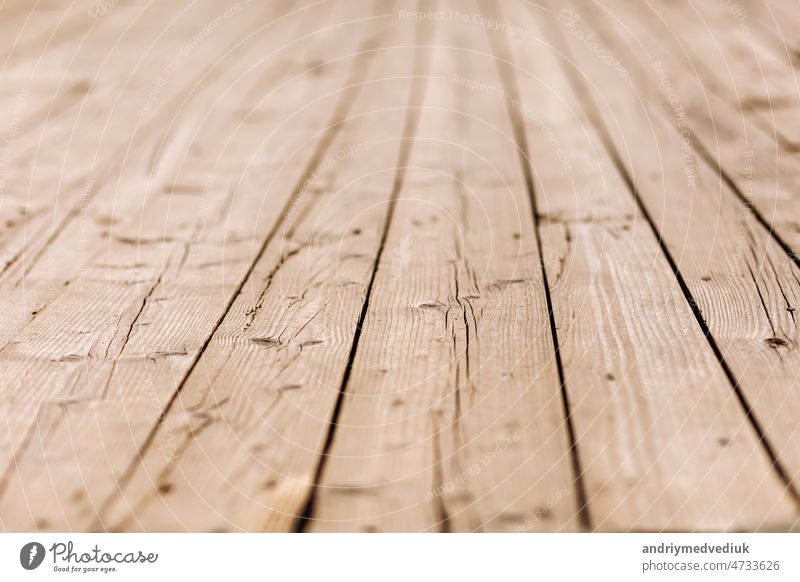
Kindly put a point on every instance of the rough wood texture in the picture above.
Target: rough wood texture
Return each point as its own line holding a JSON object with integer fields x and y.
{"x": 398, "y": 266}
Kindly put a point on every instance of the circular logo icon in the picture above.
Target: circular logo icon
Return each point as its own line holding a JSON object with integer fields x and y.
{"x": 31, "y": 555}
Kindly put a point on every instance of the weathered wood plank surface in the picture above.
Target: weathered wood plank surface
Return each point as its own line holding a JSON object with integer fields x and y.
{"x": 399, "y": 266}
{"x": 631, "y": 346}
{"x": 734, "y": 269}
{"x": 458, "y": 423}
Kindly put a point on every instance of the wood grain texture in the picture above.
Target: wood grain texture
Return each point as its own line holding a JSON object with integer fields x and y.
{"x": 399, "y": 266}
{"x": 735, "y": 271}
{"x": 253, "y": 416}
{"x": 735, "y": 121}
{"x": 168, "y": 287}
{"x": 460, "y": 425}
{"x": 631, "y": 346}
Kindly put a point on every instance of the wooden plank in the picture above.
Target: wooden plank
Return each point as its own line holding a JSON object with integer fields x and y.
{"x": 249, "y": 425}
{"x": 167, "y": 298}
{"x": 728, "y": 60}
{"x": 45, "y": 241}
{"x": 763, "y": 172}
{"x": 105, "y": 254}
{"x": 774, "y": 22}
{"x": 319, "y": 266}
{"x": 117, "y": 117}
{"x": 662, "y": 439}
{"x": 732, "y": 272}
{"x": 29, "y": 31}
{"x": 65, "y": 80}
{"x": 53, "y": 100}
{"x": 452, "y": 417}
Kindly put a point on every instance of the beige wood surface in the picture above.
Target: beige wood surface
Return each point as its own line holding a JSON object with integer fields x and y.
{"x": 250, "y": 423}
{"x": 459, "y": 426}
{"x": 743, "y": 282}
{"x": 631, "y": 346}
{"x": 399, "y": 266}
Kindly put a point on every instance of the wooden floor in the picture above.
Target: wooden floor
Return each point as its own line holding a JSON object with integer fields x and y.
{"x": 386, "y": 266}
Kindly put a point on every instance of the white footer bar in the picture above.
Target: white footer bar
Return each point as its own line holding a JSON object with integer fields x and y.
{"x": 388, "y": 557}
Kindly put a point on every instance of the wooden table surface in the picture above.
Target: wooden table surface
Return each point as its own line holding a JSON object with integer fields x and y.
{"x": 387, "y": 266}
